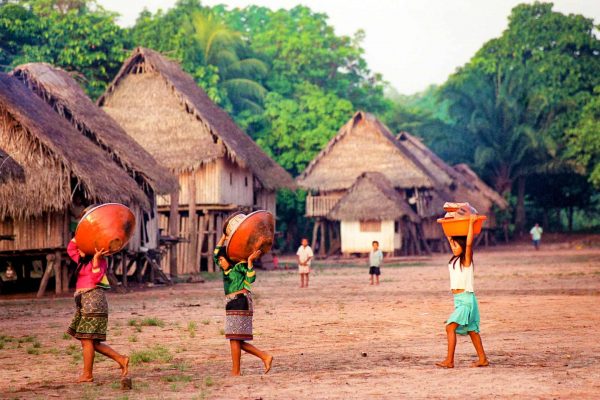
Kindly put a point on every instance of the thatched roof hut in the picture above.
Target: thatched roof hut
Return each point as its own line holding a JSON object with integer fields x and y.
{"x": 57, "y": 88}
{"x": 186, "y": 141}
{"x": 55, "y": 157}
{"x": 10, "y": 170}
{"x": 468, "y": 174}
{"x": 364, "y": 143}
{"x": 372, "y": 197}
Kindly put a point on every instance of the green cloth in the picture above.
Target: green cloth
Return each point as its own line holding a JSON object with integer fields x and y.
{"x": 237, "y": 277}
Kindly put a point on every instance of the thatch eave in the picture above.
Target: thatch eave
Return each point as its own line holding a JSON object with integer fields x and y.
{"x": 10, "y": 170}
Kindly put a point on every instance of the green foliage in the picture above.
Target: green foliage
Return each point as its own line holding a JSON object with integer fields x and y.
{"x": 584, "y": 139}
{"x": 156, "y": 353}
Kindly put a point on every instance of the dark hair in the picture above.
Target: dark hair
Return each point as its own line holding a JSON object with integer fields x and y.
{"x": 223, "y": 253}
{"x": 375, "y": 241}
{"x": 462, "y": 241}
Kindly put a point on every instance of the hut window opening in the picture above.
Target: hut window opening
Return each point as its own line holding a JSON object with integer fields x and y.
{"x": 246, "y": 181}
{"x": 370, "y": 226}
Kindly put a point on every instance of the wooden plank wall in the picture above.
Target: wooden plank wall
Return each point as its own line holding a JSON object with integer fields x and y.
{"x": 45, "y": 232}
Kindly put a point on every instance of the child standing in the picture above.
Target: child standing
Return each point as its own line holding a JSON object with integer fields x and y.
{"x": 375, "y": 259}
{"x": 91, "y": 316}
{"x": 237, "y": 280}
{"x": 465, "y": 318}
{"x": 305, "y": 256}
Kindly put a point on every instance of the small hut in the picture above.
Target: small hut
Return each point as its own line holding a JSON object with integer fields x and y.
{"x": 58, "y": 163}
{"x": 9, "y": 169}
{"x": 59, "y": 90}
{"x": 365, "y": 144}
{"x": 373, "y": 210}
{"x": 220, "y": 169}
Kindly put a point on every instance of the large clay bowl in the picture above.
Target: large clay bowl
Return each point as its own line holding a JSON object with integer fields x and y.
{"x": 108, "y": 226}
{"x": 460, "y": 226}
{"x": 255, "y": 232}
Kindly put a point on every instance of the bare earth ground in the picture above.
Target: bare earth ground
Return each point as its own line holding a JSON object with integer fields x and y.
{"x": 339, "y": 339}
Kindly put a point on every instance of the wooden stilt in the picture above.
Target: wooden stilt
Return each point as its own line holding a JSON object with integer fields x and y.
{"x": 49, "y": 267}
{"x": 173, "y": 232}
{"x": 315, "y": 232}
{"x": 193, "y": 226}
{"x": 58, "y": 272}
{"x": 124, "y": 269}
{"x": 211, "y": 241}
{"x": 202, "y": 236}
{"x": 322, "y": 239}
{"x": 65, "y": 278}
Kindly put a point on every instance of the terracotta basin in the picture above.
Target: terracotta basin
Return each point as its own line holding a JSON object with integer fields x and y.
{"x": 453, "y": 226}
{"x": 255, "y": 232}
{"x": 108, "y": 226}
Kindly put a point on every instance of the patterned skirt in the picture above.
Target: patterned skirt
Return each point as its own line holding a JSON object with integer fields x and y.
{"x": 238, "y": 317}
{"x": 91, "y": 316}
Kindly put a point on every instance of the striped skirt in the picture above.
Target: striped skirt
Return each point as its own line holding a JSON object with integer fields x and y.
{"x": 238, "y": 317}
{"x": 91, "y": 316}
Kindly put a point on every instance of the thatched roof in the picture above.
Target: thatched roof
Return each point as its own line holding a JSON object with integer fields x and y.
{"x": 460, "y": 186}
{"x": 10, "y": 170}
{"x": 372, "y": 196}
{"x": 55, "y": 157}
{"x": 364, "y": 144}
{"x": 57, "y": 88}
{"x": 487, "y": 191}
{"x": 195, "y": 131}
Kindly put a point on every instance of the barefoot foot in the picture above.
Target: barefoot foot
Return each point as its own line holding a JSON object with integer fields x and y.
{"x": 85, "y": 378}
{"x": 124, "y": 365}
{"x": 445, "y": 364}
{"x": 268, "y": 361}
{"x": 480, "y": 363}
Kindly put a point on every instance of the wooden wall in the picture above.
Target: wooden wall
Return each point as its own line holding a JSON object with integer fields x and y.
{"x": 266, "y": 200}
{"x": 355, "y": 241}
{"x": 48, "y": 231}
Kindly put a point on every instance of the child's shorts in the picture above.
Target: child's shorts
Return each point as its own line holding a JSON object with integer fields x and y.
{"x": 304, "y": 269}
{"x": 374, "y": 271}
{"x": 466, "y": 313}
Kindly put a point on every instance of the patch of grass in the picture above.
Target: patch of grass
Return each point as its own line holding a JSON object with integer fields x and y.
{"x": 37, "y": 344}
{"x": 176, "y": 378}
{"x": 174, "y": 387}
{"x": 53, "y": 351}
{"x": 115, "y": 385}
{"x": 207, "y": 321}
{"x": 152, "y": 322}
{"x": 133, "y": 338}
{"x": 138, "y": 328}
{"x": 192, "y": 326}
{"x": 66, "y": 336}
{"x": 208, "y": 382}
{"x": 132, "y": 322}
{"x": 33, "y": 351}
{"x": 181, "y": 366}
{"x": 27, "y": 339}
{"x": 140, "y": 385}
{"x": 1, "y": 345}
{"x": 222, "y": 332}
{"x": 72, "y": 348}
{"x": 156, "y": 353}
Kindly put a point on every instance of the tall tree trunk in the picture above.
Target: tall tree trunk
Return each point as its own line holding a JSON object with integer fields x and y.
{"x": 520, "y": 209}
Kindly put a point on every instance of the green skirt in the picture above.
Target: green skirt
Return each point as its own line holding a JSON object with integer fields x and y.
{"x": 466, "y": 313}
{"x": 91, "y": 316}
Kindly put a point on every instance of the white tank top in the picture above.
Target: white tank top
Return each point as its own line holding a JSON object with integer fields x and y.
{"x": 461, "y": 278}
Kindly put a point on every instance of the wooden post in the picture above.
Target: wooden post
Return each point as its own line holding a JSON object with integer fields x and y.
{"x": 193, "y": 224}
{"x": 322, "y": 239}
{"x": 202, "y": 235}
{"x": 173, "y": 232}
{"x": 316, "y": 227}
{"x": 124, "y": 268}
{"x": 65, "y": 277}
{"x": 46, "y": 276}
{"x": 58, "y": 272}
{"x": 211, "y": 242}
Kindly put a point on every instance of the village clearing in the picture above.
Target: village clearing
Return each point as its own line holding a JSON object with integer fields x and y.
{"x": 338, "y": 339}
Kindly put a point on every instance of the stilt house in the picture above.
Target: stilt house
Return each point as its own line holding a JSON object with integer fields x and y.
{"x": 58, "y": 164}
{"x": 364, "y": 144}
{"x": 220, "y": 169}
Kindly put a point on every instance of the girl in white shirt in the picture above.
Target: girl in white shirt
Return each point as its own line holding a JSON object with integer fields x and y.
{"x": 465, "y": 318}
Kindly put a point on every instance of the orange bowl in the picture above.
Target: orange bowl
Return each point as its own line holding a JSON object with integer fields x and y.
{"x": 255, "y": 232}
{"x": 460, "y": 226}
{"x": 108, "y": 226}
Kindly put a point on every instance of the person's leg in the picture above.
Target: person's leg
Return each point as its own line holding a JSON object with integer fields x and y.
{"x": 377, "y": 279}
{"x": 301, "y": 280}
{"x": 87, "y": 346}
{"x": 236, "y": 355}
{"x": 108, "y": 351}
{"x": 306, "y": 284}
{"x": 371, "y": 278}
{"x": 451, "y": 333}
{"x": 476, "y": 339}
{"x": 266, "y": 358}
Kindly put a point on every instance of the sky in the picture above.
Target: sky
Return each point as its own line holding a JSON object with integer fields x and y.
{"x": 412, "y": 43}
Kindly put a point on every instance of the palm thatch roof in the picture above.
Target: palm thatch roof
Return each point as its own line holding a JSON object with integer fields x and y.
{"x": 487, "y": 191}
{"x": 163, "y": 108}
{"x": 57, "y": 88}
{"x": 364, "y": 144}
{"x": 458, "y": 184}
{"x": 372, "y": 197}
{"x": 57, "y": 160}
{"x": 10, "y": 170}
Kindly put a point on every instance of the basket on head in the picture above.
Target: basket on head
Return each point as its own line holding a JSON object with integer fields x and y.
{"x": 106, "y": 226}
{"x": 232, "y": 222}
{"x": 256, "y": 231}
{"x": 456, "y": 220}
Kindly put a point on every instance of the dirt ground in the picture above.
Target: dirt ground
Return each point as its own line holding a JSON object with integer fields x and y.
{"x": 338, "y": 339}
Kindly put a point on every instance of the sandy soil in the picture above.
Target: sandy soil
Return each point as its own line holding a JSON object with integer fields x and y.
{"x": 338, "y": 339}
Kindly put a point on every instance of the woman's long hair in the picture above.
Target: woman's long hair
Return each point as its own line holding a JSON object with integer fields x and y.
{"x": 462, "y": 241}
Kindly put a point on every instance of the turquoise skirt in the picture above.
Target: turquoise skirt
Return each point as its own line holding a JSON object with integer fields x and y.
{"x": 466, "y": 313}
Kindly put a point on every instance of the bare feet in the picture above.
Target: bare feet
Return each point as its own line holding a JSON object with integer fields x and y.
{"x": 480, "y": 363}
{"x": 268, "y": 361}
{"x": 445, "y": 364}
{"x": 124, "y": 365}
{"x": 85, "y": 378}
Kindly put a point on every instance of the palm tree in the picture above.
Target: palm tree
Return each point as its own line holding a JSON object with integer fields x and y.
{"x": 217, "y": 45}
